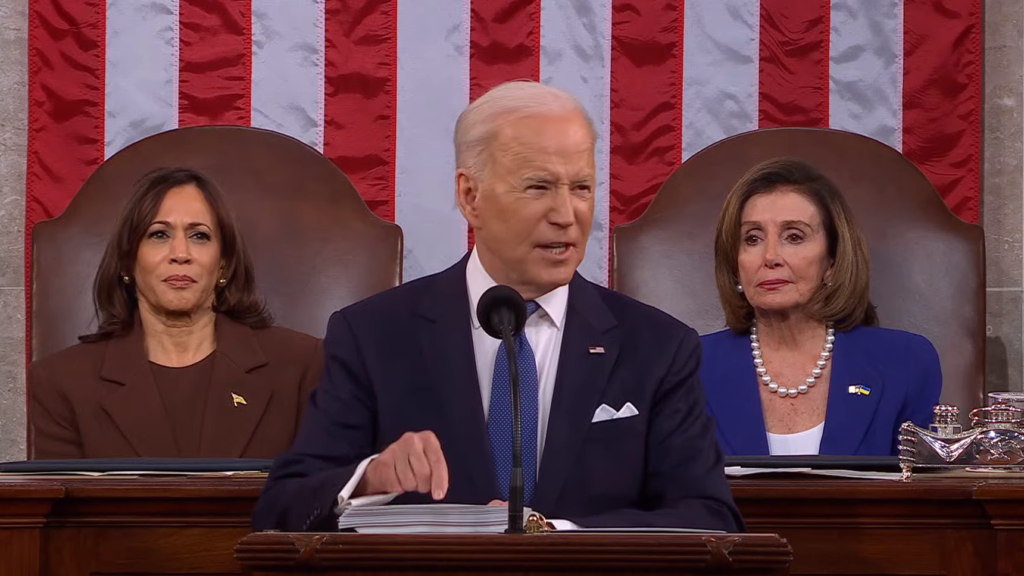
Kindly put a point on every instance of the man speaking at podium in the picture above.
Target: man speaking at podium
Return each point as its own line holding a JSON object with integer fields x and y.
{"x": 414, "y": 398}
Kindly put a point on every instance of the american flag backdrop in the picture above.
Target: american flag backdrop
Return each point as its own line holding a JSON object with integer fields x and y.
{"x": 376, "y": 85}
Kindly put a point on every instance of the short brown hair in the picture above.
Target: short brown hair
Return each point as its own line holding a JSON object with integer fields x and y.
{"x": 116, "y": 302}
{"x": 845, "y": 301}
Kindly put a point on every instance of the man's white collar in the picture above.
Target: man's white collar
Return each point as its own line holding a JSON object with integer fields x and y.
{"x": 479, "y": 281}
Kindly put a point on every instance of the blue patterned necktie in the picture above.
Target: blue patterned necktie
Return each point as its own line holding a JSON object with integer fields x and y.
{"x": 499, "y": 414}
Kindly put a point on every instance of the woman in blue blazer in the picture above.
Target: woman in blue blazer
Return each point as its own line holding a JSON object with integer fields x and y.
{"x": 803, "y": 367}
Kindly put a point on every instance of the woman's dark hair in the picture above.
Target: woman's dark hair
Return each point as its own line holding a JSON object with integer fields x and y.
{"x": 115, "y": 300}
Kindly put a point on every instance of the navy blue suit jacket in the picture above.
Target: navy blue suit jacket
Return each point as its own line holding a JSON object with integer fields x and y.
{"x": 403, "y": 361}
{"x": 900, "y": 369}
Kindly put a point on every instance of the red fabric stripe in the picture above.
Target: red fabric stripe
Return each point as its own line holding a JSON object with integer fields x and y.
{"x": 215, "y": 62}
{"x": 793, "y": 82}
{"x": 645, "y": 103}
{"x": 504, "y": 44}
{"x": 359, "y": 97}
{"x": 66, "y": 42}
{"x": 942, "y": 98}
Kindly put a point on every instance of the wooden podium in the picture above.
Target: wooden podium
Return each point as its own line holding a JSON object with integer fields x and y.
{"x": 170, "y": 526}
{"x": 279, "y": 553}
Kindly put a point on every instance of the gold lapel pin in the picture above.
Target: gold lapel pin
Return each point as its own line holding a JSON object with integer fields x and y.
{"x": 237, "y": 399}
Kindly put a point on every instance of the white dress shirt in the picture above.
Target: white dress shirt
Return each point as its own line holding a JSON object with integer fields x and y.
{"x": 543, "y": 330}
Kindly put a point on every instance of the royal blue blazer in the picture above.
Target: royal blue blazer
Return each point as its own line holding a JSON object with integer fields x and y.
{"x": 900, "y": 369}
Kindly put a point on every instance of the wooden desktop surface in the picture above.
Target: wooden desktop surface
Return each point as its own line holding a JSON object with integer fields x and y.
{"x": 282, "y": 554}
{"x": 929, "y": 526}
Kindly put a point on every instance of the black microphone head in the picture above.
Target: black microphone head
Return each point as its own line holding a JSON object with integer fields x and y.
{"x": 501, "y": 306}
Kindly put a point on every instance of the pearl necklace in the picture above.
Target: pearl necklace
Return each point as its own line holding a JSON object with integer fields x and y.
{"x": 762, "y": 372}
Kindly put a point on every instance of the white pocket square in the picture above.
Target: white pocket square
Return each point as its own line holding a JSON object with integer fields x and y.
{"x": 606, "y": 412}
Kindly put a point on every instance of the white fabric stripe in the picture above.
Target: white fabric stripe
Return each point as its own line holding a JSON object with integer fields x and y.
{"x": 866, "y": 44}
{"x": 575, "y": 55}
{"x": 720, "y": 68}
{"x": 287, "y": 68}
{"x": 321, "y": 25}
{"x": 899, "y": 75}
{"x": 433, "y": 70}
{"x": 176, "y": 42}
{"x": 141, "y": 77}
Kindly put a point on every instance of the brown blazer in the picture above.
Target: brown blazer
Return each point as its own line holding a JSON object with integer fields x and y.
{"x": 99, "y": 400}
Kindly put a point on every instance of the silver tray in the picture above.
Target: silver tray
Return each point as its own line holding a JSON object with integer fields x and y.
{"x": 993, "y": 443}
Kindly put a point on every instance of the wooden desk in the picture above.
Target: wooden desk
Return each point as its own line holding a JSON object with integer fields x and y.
{"x": 933, "y": 526}
{"x": 81, "y": 526}
{"x": 279, "y": 554}
{"x": 86, "y": 526}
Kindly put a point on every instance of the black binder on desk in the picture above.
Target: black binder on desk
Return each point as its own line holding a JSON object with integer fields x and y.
{"x": 152, "y": 466}
{"x": 858, "y": 463}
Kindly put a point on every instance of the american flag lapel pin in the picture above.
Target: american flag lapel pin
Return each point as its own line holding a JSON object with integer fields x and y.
{"x": 595, "y": 349}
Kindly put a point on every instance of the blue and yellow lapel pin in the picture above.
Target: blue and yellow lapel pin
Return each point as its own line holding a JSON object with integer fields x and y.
{"x": 859, "y": 390}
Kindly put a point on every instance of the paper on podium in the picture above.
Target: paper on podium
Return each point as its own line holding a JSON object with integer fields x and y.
{"x": 370, "y": 515}
{"x": 737, "y": 471}
{"x": 642, "y": 530}
{"x": 426, "y": 518}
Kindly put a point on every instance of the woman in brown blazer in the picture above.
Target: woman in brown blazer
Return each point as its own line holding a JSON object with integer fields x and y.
{"x": 185, "y": 362}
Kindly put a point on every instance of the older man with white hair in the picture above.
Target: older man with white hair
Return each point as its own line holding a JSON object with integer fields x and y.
{"x": 414, "y": 397}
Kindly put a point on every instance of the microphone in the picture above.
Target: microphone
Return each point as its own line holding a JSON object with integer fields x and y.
{"x": 502, "y": 314}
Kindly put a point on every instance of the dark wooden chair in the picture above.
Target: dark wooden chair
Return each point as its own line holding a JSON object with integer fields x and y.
{"x": 315, "y": 245}
{"x": 927, "y": 265}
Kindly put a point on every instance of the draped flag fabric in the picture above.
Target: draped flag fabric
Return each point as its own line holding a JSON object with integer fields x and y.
{"x": 376, "y": 86}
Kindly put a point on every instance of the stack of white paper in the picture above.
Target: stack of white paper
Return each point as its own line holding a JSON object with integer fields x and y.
{"x": 426, "y": 518}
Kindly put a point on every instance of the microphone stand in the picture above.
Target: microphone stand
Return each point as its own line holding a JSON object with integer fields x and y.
{"x": 515, "y": 484}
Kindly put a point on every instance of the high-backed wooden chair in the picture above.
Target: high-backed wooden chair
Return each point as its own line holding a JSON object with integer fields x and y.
{"x": 927, "y": 266}
{"x": 315, "y": 245}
